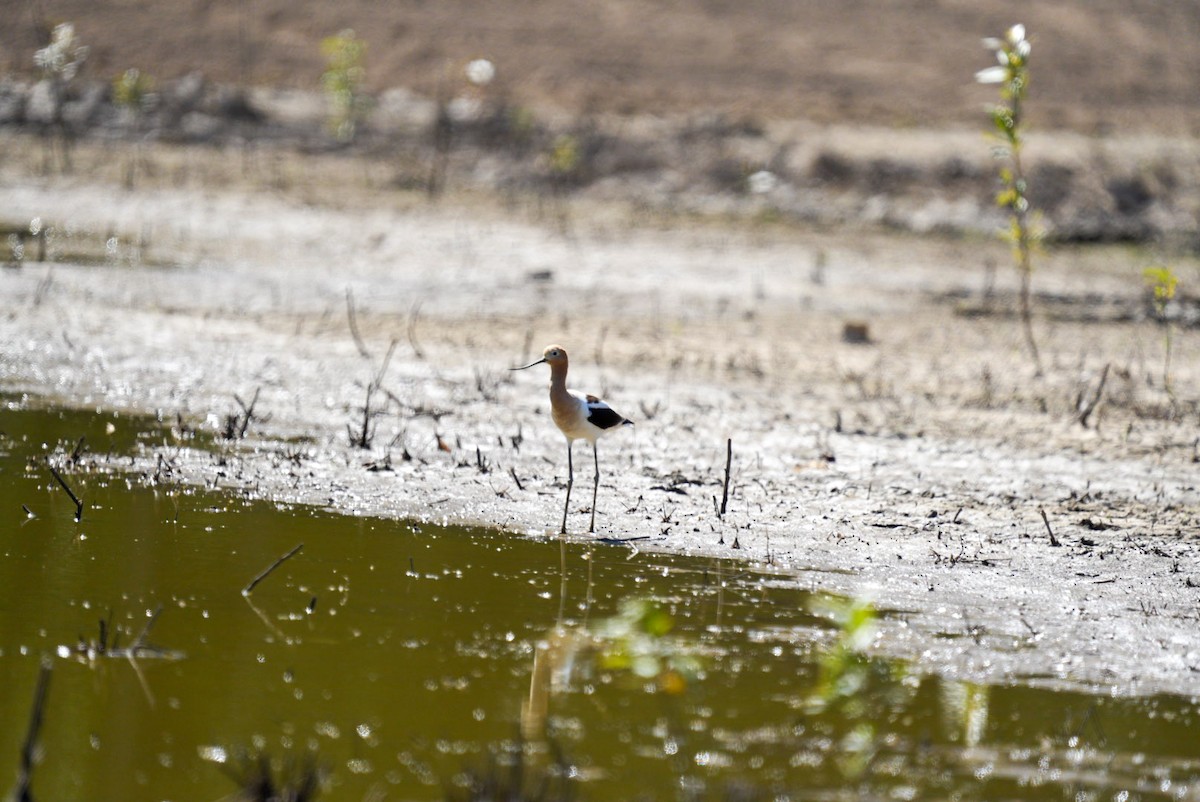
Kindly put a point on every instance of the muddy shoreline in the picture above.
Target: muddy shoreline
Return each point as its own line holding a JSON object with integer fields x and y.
{"x": 913, "y": 468}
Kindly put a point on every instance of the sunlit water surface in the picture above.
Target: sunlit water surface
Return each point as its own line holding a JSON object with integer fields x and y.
{"x": 419, "y": 662}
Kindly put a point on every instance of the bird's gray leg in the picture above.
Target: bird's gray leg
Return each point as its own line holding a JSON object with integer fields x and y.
{"x": 570, "y": 481}
{"x": 595, "y": 487}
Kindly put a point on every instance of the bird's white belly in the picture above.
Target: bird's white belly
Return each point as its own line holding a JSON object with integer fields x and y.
{"x": 572, "y": 419}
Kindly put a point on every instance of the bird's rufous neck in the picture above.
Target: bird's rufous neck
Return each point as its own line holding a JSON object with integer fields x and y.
{"x": 558, "y": 378}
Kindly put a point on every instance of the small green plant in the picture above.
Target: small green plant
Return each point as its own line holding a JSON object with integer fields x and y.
{"x": 853, "y": 692}
{"x": 842, "y": 669}
{"x": 522, "y": 124}
{"x": 1012, "y": 74}
{"x": 1163, "y": 282}
{"x": 565, "y": 157}
{"x": 343, "y": 81}
{"x": 131, "y": 90}
{"x": 635, "y": 641}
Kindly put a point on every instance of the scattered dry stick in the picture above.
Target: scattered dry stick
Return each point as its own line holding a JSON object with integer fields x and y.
{"x": 412, "y": 330}
{"x": 237, "y": 424}
{"x": 25, "y": 774}
{"x": 1090, "y": 406}
{"x": 363, "y": 437}
{"x": 353, "y": 320}
{"x": 105, "y": 646}
{"x": 139, "y": 642}
{"x": 78, "y": 452}
{"x": 254, "y": 582}
{"x": 728, "y": 462}
{"x": 70, "y": 492}
{"x": 247, "y": 413}
{"x": 1053, "y": 540}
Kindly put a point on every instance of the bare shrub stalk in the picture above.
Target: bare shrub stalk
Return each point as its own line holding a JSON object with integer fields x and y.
{"x": 1012, "y": 73}
{"x": 1163, "y": 282}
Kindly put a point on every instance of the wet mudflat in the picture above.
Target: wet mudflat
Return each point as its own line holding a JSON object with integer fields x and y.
{"x": 419, "y": 662}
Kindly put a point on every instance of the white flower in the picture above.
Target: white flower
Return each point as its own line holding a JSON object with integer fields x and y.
{"x": 63, "y": 55}
{"x": 992, "y": 75}
{"x": 762, "y": 182}
{"x": 481, "y": 72}
{"x": 1016, "y": 34}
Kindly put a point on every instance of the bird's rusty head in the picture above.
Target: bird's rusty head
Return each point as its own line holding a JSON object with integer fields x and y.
{"x": 553, "y": 355}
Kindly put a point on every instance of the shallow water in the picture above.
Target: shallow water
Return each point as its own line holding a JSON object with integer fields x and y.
{"x": 414, "y": 658}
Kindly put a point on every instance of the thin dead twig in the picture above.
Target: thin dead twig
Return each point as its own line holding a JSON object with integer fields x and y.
{"x": 412, "y": 330}
{"x": 247, "y": 412}
{"x": 352, "y": 318}
{"x": 1046, "y": 520}
{"x": 139, "y": 643}
{"x": 25, "y": 773}
{"x": 236, "y": 424}
{"x": 363, "y": 437}
{"x": 246, "y": 591}
{"x": 1086, "y": 410}
{"x": 728, "y": 463}
{"x": 89, "y": 651}
{"x": 77, "y": 453}
{"x": 70, "y": 492}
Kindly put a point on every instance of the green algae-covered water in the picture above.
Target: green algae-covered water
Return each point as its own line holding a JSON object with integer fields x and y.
{"x": 421, "y": 662}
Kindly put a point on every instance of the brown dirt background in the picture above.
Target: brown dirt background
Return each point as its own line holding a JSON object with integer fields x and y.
{"x": 1100, "y": 65}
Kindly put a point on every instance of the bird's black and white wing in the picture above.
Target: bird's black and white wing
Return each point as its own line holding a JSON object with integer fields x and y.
{"x": 602, "y": 416}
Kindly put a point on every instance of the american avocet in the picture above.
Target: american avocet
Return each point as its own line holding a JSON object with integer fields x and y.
{"x": 578, "y": 417}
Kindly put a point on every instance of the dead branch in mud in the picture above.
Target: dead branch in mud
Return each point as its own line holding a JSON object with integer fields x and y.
{"x": 25, "y": 773}
{"x": 107, "y": 644}
{"x": 728, "y": 463}
{"x": 77, "y": 452}
{"x": 650, "y": 412}
{"x": 417, "y": 411}
{"x": 352, "y": 320}
{"x": 1053, "y": 540}
{"x": 43, "y": 287}
{"x": 90, "y": 651}
{"x": 951, "y": 559}
{"x": 261, "y": 779}
{"x": 246, "y": 591}
{"x": 442, "y": 138}
{"x": 1086, "y": 409}
{"x": 236, "y": 423}
{"x": 63, "y": 483}
{"x": 365, "y": 434}
{"x": 139, "y": 642}
{"x": 412, "y": 330}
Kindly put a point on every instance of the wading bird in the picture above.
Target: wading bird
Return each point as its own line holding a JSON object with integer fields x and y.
{"x": 578, "y": 417}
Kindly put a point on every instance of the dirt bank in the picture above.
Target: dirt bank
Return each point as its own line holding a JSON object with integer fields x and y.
{"x": 914, "y": 467}
{"x": 1101, "y": 66}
